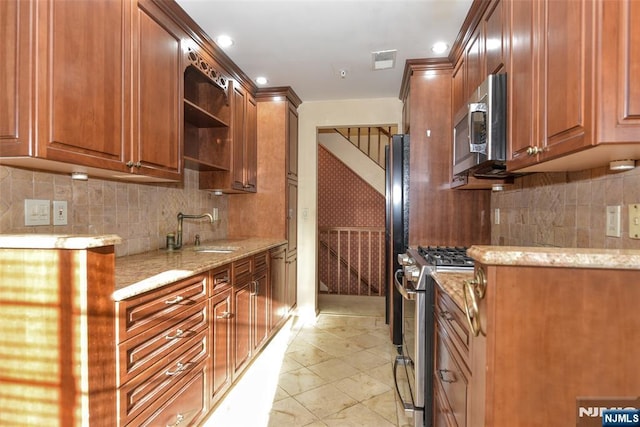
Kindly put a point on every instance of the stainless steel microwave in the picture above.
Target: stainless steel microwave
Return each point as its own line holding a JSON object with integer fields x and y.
{"x": 479, "y": 133}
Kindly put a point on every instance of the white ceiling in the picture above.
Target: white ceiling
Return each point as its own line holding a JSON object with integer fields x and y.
{"x": 305, "y": 43}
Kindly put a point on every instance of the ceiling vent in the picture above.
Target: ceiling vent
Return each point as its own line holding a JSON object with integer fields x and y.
{"x": 383, "y": 59}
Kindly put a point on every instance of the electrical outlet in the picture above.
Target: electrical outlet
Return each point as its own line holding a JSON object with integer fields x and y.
{"x": 613, "y": 221}
{"x": 634, "y": 221}
{"x": 214, "y": 214}
{"x": 37, "y": 212}
{"x": 496, "y": 216}
{"x": 59, "y": 212}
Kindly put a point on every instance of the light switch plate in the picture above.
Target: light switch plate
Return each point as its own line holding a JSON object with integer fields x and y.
{"x": 634, "y": 221}
{"x": 37, "y": 212}
{"x": 59, "y": 212}
{"x": 613, "y": 221}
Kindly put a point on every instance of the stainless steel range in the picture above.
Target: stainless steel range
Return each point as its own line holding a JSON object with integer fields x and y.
{"x": 413, "y": 369}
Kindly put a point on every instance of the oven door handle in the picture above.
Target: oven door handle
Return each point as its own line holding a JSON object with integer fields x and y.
{"x": 409, "y": 407}
{"x": 406, "y": 293}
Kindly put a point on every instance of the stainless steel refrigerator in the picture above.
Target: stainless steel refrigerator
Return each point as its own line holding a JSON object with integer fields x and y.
{"x": 396, "y": 227}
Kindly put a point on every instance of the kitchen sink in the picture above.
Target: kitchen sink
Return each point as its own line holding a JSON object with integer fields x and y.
{"x": 216, "y": 249}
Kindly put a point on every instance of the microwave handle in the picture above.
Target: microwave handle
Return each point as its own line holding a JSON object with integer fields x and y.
{"x": 475, "y": 107}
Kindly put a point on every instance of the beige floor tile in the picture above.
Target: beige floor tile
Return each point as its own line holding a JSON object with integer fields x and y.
{"x": 333, "y": 370}
{"x": 357, "y": 416}
{"x": 365, "y": 360}
{"x": 325, "y": 400}
{"x": 319, "y": 424}
{"x": 280, "y": 394}
{"x": 310, "y": 355}
{"x": 385, "y": 405}
{"x": 383, "y": 373}
{"x": 362, "y": 387}
{"x": 289, "y": 412}
{"x": 289, "y": 364}
{"x": 367, "y": 340}
{"x": 299, "y": 380}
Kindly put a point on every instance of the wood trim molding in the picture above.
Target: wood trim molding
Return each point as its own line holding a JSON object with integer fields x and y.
{"x": 412, "y": 65}
{"x": 266, "y": 94}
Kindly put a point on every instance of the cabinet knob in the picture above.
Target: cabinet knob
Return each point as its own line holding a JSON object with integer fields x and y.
{"x": 138, "y": 164}
{"x": 179, "y": 420}
{"x": 129, "y": 164}
{"x": 178, "y": 334}
{"x": 180, "y": 367}
{"x": 447, "y": 376}
{"x": 224, "y": 315}
{"x": 176, "y": 300}
{"x": 532, "y": 151}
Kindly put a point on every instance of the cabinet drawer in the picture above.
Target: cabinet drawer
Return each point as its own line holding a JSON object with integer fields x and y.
{"x": 143, "y": 390}
{"x": 455, "y": 322}
{"x": 241, "y": 268}
{"x": 442, "y": 413}
{"x": 184, "y": 407}
{"x": 145, "y": 311}
{"x": 220, "y": 279}
{"x": 260, "y": 262}
{"x": 450, "y": 376}
{"x": 145, "y": 349}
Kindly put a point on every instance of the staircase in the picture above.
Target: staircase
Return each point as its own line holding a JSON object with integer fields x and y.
{"x": 362, "y": 149}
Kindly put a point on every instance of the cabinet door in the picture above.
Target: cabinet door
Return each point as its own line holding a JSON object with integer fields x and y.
{"x": 83, "y": 88}
{"x": 474, "y": 60}
{"x": 15, "y": 90}
{"x": 291, "y": 282}
{"x": 278, "y": 286}
{"x": 494, "y": 38}
{"x": 157, "y": 100}
{"x": 619, "y": 64}
{"x": 241, "y": 323}
{"x": 566, "y": 76}
{"x": 238, "y": 126}
{"x": 459, "y": 98}
{"x": 522, "y": 87}
{"x": 292, "y": 143}
{"x": 251, "y": 145}
{"x": 220, "y": 344}
{"x": 292, "y": 216}
{"x": 260, "y": 297}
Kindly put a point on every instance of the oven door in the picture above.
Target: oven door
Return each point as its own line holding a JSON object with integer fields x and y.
{"x": 408, "y": 368}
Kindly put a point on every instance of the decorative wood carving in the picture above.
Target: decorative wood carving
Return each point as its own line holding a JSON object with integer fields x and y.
{"x": 220, "y": 80}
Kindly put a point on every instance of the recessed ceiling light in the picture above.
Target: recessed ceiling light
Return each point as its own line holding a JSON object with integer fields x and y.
{"x": 224, "y": 41}
{"x": 262, "y": 80}
{"x": 439, "y": 47}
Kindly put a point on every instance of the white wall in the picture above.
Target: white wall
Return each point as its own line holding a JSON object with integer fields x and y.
{"x": 314, "y": 115}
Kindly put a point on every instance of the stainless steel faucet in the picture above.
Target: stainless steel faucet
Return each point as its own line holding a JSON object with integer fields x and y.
{"x": 181, "y": 216}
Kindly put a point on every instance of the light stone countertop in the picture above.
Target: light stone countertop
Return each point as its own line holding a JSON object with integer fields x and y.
{"x": 57, "y": 241}
{"x": 451, "y": 283}
{"x": 616, "y": 259}
{"x": 140, "y": 273}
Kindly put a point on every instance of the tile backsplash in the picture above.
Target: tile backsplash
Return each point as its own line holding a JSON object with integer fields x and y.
{"x": 565, "y": 209}
{"x": 141, "y": 214}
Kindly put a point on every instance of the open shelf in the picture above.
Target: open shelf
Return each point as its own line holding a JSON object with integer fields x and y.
{"x": 200, "y": 117}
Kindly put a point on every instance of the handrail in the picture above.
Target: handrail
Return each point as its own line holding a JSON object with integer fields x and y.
{"x": 369, "y": 140}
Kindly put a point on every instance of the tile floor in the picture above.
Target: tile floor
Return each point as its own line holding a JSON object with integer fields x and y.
{"x": 334, "y": 372}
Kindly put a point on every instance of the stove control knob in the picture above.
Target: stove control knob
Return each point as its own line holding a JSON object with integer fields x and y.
{"x": 412, "y": 272}
{"x": 404, "y": 259}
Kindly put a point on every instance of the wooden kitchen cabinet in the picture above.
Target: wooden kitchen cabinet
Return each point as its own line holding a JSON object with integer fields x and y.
{"x": 547, "y": 336}
{"x": 242, "y": 322}
{"x": 96, "y": 92}
{"x": 278, "y": 283}
{"x": 162, "y": 337}
{"x": 16, "y": 51}
{"x": 260, "y": 301}
{"x": 451, "y": 362}
{"x": 207, "y": 114}
{"x": 242, "y": 175}
{"x": 221, "y": 333}
{"x": 49, "y": 324}
{"x": 570, "y": 88}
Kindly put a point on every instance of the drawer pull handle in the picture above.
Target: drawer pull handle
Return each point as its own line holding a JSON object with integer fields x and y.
{"x": 446, "y": 315}
{"x": 176, "y": 300}
{"x": 224, "y": 315}
{"x": 178, "y": 334}
{"x": 447, "y": 376}
{"x": 219, "y": 281}
{"x": 180, "y": 367}
{"x": 179, "y": 420}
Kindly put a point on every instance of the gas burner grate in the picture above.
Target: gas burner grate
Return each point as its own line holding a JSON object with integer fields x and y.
{"x": 449, "y": 256}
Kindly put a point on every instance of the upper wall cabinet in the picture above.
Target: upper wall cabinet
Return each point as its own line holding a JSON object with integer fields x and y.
{"x": 573, "y": 95}
{"x": 90, "y": 115}
{"x": 241, "y": 176}
{"x": 207, "y": 114}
